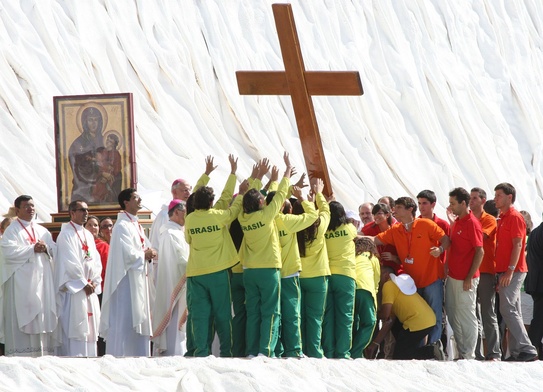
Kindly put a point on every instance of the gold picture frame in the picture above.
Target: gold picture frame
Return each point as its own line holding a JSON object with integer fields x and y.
{"x": 95, "y": 155}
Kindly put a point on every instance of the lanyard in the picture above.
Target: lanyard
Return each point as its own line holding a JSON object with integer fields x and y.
{"x": 84, "y": 245}
{"x": 140, "y": 230}
{"x": 409, "y": 239}
{"x": 32, "y": 238}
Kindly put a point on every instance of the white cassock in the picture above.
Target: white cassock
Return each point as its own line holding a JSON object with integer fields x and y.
{"x": 28, "y": 320}
{"x": 125, "y": 324}
{"x": 169, "y": 311}
{"x": 154, "y": 236}
{"x": 79, "y": 314}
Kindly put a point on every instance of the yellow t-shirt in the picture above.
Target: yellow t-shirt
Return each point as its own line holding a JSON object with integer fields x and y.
{"x": 287, "y": 226}
{"x": 412, "y": 310}
{"x": 368, "y": 273}
{"x": 260, "y": 247}
{"x": 315, "y": 263}
{"x": 341, "y": 250}
{"x": 211, "y": 246}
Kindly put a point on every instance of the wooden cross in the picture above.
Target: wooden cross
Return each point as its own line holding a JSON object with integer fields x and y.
{"x": 300, "y": 85}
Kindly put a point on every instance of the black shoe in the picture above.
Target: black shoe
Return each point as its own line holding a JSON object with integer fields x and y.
{"x": 527, "y": 357}
{"x": 511, "y": 359}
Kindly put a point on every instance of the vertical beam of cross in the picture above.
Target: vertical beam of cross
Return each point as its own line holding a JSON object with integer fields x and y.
{"x": 300, "y": 85}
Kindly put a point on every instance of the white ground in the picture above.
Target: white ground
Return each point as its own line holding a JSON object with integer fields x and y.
{"x": 453, "y": 97}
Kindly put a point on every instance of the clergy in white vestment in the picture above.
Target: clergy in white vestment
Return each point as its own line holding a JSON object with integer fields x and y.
{"x": 28, "y": 320}
{"x": 170, "y": 308}
{"x": 78, "y": 281}
{"x": 125, "y": 324}
{"x": 181, "y": 190}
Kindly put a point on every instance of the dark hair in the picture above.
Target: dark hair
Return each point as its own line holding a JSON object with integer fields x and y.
{"x": 115, "y": 139}
{"x": 190, "y": 205}
{"x": 337, "y": 215}
{"x": 20, "y": 199}
{"x": 203, "y": 198}
{"x": 407, "y": 203}
{"x": 427, "y": 194}
{"x": 269, "y": 197}
{"x": 387, "y": 268}
{"x": 236, "y": 233}
{"x": 251, "y": 201}
{"x": 124, "y": 196}
{"x": 73, "y": 204}
{"x": 490, "y": 208}
{"x": 365, "y": 244}
{"x": 103, "y": 219}
{"x": 508, "y": 189}
{"x": 93, "y": 217}
{"x": 460, "y": 194}
{"x": 385, "y": 208}
{"x": 308, "y": 234}
{"x": 287, "y": 207}
{"x": 481, "y": 191}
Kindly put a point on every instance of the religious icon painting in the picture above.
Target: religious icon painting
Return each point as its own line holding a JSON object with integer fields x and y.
{"x": 95, "y": 157}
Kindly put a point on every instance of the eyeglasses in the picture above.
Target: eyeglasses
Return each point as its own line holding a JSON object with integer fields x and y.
{"x": 106, "y": 226}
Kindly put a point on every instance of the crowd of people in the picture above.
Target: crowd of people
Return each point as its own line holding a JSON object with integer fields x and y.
{"x": 275, "y": 271}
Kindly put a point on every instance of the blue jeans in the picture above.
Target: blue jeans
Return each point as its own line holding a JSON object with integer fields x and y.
{"x": 433, "y": 295}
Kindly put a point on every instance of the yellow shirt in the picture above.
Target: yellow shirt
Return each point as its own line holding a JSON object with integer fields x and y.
{"x": 412, "y": 310}
{"x": 260, "y": 247}
{"x": 315, "y": 263}
{"x": 287, "y": 226}
{"x": 368, "y": 273}
{"x": 226, "y": 195}
{"x": 202, "y": 181}
{"x": 341, "y": 250}
{"x": 211, "y": 246}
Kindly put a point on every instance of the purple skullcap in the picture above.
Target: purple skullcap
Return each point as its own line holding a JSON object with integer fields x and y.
{"x": 174, "y": 203}
{"x": 178, "y": 181}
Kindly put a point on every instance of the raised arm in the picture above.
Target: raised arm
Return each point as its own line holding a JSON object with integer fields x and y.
{"x": 209, "y": 165}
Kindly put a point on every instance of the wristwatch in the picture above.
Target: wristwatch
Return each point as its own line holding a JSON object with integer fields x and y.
{"x": 512, "y": 267}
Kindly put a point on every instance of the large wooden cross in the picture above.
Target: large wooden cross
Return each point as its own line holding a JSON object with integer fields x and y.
{"x": 300, "y": 85}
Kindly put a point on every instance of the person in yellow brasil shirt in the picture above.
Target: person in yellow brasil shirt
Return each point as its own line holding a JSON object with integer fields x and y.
{"x": 212, "y": 254}
{"x": 288, "y": 224}
{"x": 260, "y": 254}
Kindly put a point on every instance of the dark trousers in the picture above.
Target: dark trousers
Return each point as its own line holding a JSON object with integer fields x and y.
{"x": 536, "y": 326}
{"x": 407, "y": 343}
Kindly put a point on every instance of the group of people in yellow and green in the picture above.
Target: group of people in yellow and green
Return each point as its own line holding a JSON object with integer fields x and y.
{"x": 287, "y": 266}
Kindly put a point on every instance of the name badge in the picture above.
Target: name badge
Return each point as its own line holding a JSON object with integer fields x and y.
{"x": 409, "y": 260}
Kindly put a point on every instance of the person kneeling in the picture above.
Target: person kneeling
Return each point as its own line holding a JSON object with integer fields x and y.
{"x": 409, "y": 317}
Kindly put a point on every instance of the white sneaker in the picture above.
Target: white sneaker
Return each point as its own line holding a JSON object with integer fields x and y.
{"x": 439, "y": 354}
